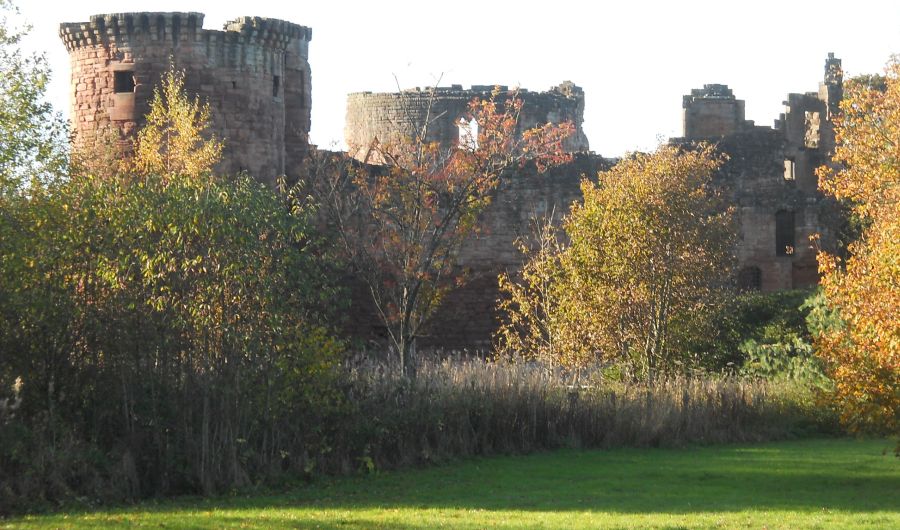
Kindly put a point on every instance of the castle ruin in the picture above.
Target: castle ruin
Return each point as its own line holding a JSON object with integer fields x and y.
{"x": 254, "y": 75}
{"x": 771, "y": 176}
{"x": 385, "y": 116}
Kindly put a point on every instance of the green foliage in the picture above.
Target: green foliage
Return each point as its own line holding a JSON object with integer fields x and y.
{"x": 169, "y": 332}
{"x": 32, "y": 137}
{"x": 793, "y": 360}
{"x": 766, "y": 318}
{"x": 647, "y": 262}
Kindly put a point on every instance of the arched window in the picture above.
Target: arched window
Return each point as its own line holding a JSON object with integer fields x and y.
{"x": 468, "y": 133}
{"x": 784, "y": 233}
{"x": 750, "y": 279}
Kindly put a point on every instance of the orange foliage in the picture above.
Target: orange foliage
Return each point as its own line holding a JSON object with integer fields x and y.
{"x": 402, "y": 224}
{"x": 862, "y": 352}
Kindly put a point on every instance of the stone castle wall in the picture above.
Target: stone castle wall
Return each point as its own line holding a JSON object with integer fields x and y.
{"x": 386, "y": 116}
{"x": 467, "y": 318}
{"x": 770, "y": 173}
{"x": 254, "y": 75}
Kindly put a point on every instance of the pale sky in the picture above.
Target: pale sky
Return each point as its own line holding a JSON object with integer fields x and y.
{"x": 634, "y": 59}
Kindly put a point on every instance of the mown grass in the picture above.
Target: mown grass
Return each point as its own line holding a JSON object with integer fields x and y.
{"x": 836, "y": 483}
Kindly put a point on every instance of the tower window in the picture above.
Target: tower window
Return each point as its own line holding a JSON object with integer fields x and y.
{"x": 789, "y": 173}
{"x": 276, "y": 86}
{"x": 123, "y": 81}
{"x": 784, "y": 233}
{"x": 468, "y": 133}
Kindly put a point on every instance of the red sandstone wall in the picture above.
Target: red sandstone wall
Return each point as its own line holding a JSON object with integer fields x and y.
{"x": 233, "y": 71}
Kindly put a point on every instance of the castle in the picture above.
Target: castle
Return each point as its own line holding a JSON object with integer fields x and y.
{"x": 255, "y": 76}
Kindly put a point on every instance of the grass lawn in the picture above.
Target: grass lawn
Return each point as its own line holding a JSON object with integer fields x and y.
{"x": 798, "y": 484}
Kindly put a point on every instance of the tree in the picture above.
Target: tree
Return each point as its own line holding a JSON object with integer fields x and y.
{"x": 32, "y": 136}
{"x": 32, "y": 157}
{"x": 167, "y": 317}
{"x": 861, "y": 347}
{"x": 401, "y": 224}
{"x": 174, "y": 140}
{"x": 647, "y": 255}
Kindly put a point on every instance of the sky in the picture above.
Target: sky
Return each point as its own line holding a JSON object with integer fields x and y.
{"x": 633, "y": 59}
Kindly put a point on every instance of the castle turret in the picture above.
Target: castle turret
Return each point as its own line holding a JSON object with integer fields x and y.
{"x": 254, "y": 75}
{"x": 711, "y": 112}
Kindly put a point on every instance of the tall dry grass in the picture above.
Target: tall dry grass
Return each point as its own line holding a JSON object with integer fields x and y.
{"x": 473, "y": 407}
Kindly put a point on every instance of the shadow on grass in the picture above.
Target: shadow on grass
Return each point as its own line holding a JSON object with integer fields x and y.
{"x": 806, "y": 476}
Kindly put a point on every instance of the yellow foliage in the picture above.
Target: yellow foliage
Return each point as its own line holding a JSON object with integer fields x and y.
{"x": 863, "y": 352}
{"x": 173, "y": 142}
{"x": 649, "y": 254}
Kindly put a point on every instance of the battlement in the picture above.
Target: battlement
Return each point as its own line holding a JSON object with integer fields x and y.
{"x": 567, "y": 89}
{"x": 268, "y": 29}
{"x": 254, "y": 73}
{"x": 709, "y": 93}
{"x": 713, "y": 111}
{"x": 112, "y": 28}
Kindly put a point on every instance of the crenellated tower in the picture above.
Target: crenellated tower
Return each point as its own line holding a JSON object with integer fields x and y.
{"x": 254, "y": 74}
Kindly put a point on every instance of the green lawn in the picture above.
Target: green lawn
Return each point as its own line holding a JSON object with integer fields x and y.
{"x": 799, "y": 484}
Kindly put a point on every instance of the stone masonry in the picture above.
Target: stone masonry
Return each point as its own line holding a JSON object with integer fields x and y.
{"x": 254, "y": 74}
{"x": 467, "y": 318}
{"x": 771, "y": 176}
{"x": 385, "y": 116}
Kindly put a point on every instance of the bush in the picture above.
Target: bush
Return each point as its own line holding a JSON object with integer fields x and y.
{"x": 752, "y": 318}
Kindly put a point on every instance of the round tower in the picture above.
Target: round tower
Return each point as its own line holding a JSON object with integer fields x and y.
{"x": 254, "y": 75}
{"x": 386, "y": 116}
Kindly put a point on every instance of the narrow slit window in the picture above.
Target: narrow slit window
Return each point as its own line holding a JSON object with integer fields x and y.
{"x": 784, "y": 233}
{"x": 123, "y": 82}
{"x": 276, "y": 86}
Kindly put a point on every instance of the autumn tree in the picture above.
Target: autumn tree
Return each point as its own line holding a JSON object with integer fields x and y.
{"x": 401, "y": 223}
{"x": 862, "y": 346}
{"x": 175, "y": 139}
{"x": 644, "y": 258}
{"x": 166, "y": 325}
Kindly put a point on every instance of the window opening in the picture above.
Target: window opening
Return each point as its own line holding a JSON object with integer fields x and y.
{"x": 123, "y": 82}
{"x": 784, "y": 233}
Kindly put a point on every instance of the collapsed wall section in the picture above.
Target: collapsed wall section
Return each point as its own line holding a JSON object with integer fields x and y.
{"x": 771, "y": 175}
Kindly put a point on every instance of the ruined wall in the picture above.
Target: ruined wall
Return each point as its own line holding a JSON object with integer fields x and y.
{"x": 254, "y": 74}
{"x": 467, "y": 318}
{"x": 386, "y": 116}
{"x": 713, "y": 111}
{"x": 770, "y": 173}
